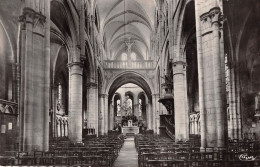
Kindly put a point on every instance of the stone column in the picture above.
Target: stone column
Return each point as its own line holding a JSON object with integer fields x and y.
{"x": 217, "y": 72}
{"x": 88, "y": 24}
{"x": 111, "y": 109}
{"x": 200, "y": 76}
{"x": 35, "y": 84}
{"x": 82, "y": 30}
{"x": 92, "y": 35}
{"x": 196, "y": 126}
{"x": 104, "y": 111}
{"x": 92, "y": 106}
{"x": 181, "y": 114}
{"x": 55, "y": 95}
{"x": 58, "y": 129}
{"x": 61, "y": 128}
{"x": 234, "y": 110}
{"x": 75, "y": 101}
{"x": 101, "y": 117}
{"x": 157, "y": 97}
{"x": 210, "y": 63}
{"x": 136, "y": 106}
{"x": 154, "y": 113}
{"x": 150, "y": 115}
{"x": 106, "y": 114}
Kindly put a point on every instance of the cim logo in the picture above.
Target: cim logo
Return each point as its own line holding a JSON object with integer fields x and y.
{"x": 245, "y": 157}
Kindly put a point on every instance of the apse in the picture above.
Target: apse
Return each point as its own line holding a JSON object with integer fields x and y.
{"x": 129, "y": 102}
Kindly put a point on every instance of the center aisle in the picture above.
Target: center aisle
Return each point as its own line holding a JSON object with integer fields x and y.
{"x": 128, "y": 157}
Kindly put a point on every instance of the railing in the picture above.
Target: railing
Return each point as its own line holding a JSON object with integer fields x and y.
{"x": 166, "y": 121}
{"x": 137, "y": 64}
{"x": 9, "y": 129}
{"x": 170, "y": 128}
{"x": 8, "y": 107}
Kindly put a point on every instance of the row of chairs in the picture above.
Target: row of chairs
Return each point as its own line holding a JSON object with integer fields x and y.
{"x": 158, "y": 151}
{"x": 101, "y": 151}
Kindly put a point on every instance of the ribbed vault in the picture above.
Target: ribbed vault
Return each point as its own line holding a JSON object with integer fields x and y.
{"x": 124, "y": 19}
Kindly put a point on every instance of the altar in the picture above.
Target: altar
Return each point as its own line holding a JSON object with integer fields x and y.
{"x": 130, "y": 128}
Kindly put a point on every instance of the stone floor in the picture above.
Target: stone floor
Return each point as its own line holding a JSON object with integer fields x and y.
{"x": 128, "y": 156}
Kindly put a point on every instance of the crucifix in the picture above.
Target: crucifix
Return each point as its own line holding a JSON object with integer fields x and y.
{"x": 129, "y": 44}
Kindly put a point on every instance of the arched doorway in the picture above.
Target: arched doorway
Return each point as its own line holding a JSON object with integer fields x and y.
{"x": 60, "y": 94}
{"x": 8, "y": 98}
{"x": 139, "y": 81}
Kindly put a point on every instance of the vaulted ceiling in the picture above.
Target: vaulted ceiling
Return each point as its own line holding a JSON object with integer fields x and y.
{"x": 124, "y": 19}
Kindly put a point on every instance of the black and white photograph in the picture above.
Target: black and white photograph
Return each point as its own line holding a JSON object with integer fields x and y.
{"x": 130, "y": 83}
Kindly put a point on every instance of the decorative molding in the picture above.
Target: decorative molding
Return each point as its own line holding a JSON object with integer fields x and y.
{"x": 179, "y": 62}
{"x": 156, "y": 95}
{"x": 91, "y": 85}
{"x": 83, "y": 58}
{"x": 214, "y": 16}
{"x": 75, "y": 63}
{"x": 31, "y": 16}
{"x": 89, "y": 17}
{"x": 102, "y": 95}
{"x": 93, "y": 18}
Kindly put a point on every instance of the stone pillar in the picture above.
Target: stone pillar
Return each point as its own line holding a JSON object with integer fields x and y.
{"x": 136, "y": 110}
{"x": 211, "y": 84}
{"x": 196, "y": 126}
{"x": 75, "y": 101}
{"x": 61, "y": 128}
{"x": 47, "y": 91}
{"x": 104, "y": 111}
{"x": 58, "y": 129}
{"x": 82, "y": 30}
{"x": 101, "y": 120}
{"x": 65, "y": 128}
{"x": 217, "y": 72}
{"x": 150, "y": 115}
{"x": 200, "y": 76}
{"x": 181, "y": 114}
{"x": 153, "y": 114}
{"x": 61, "y": 95}
{"x": 111, "y": 109}
{"x": 235, "y": 126}
{"x": 92, "y": 106}
{"x": 54, "y": 94}
{"x": 88, "y": 24}
{"x": 148, "y": 123}
{"x": 35, "y": 80}
{"x": 92, "y": 35}
{"x": 157, "y": 97}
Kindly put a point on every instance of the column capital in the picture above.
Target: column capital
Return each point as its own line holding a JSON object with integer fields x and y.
{"x": 178, "y": 67}
{"x": 83, "y": 58}
{"x": 103, "y": 95}
{"x": 213, "y": 16}
{"x": 80, "y": 64}
{"x": 160, "y": 17}
{"x": 91, "y": 85}
{"x": 93, "y": 18}
{"x": 89, "y": 17}
{"x": 31, "y": 16}
{"x": 156, "y": 95}
{"x": 175, "y": 63}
